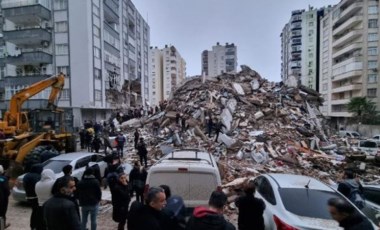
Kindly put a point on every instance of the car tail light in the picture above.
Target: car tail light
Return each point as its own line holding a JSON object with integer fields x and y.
{"x": 281, "y": 225}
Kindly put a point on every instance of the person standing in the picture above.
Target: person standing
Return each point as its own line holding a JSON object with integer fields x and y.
{"x": 120, "y": 201}
{"x": 60, "y": 212}
{"x": 219, "y": 129}
{"x": 137, "y": 136}
{"x": 142, "y": 152}
{"x": 156, "y": 127}
{"x": 251, "y": 209}
{"x": 4, "y": 196}
{"x": 96, "y": 143}
{"x": 137, "y": 179}
{"x": 82, "y": 137}
{"x": 347, "y": 216}
{"x": 30, "y": 180}
{"x": 89, "y": 196}
{"x": 212, "y": 217}
{"x": 120, "y": 140}
{"x": 351, "y": 188}
{"x": 150, "y": 215}
{"x": 43, "y": 191}
{"x": 95, "y": 167}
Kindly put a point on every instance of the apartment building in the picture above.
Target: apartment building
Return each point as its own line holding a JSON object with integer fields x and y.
{"x": 300, "y": 48}
{"x": 221, "y": 59}
{"x": 101, "y": 45}
{"x": 168, "y": 70}
{"x": 349, "y": 56}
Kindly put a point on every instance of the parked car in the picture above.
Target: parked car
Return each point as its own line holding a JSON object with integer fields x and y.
{"x": 296, "y": 202}
{"x": 368, "y": 147}
{"x": 376, "y": 139}
{"x": 350, "y": 134}
{"x": 372, "y": 199}
{"x": 78, "y": 160}
{"x": 190, "y": 173}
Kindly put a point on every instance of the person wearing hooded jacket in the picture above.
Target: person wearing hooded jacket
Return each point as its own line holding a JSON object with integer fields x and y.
{"x": 350, "y": 186}
{"x": 120, "y": 201}
{"x": 211, "y": 218}
{"x": 43, "y": 190}
{"x": 30, "y": 180}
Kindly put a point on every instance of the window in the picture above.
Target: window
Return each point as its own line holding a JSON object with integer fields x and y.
{"x": 60, "y": 4}
{"x": 65, "y": 95}
{"x": 61, "y": 49}
{"x": 265, "y": 189}
{"x": 371, "y": 92}
{"x": 372, "y": 51}
{"x": 96, "y": 52}
{"x": 373, "y": 10}
{"x": 60, "y": 27}
{"x": 372, "y": 23}
{"x": 96, "y": 31}
{"x": 97, "y": 73}
{"x": 98, "y": 95}
{"x": 372, "y": 194}
{"x": 311, "y": 23}
{"x": 82, "y": 162}
{"x": 372, "y": 37}
{"x": 2, "y": 72}
{"x": 63, "y": 69}
{"x": 372, "y": 64}
{"x": 55, "y": 165}
{"x": 372, "y": 78}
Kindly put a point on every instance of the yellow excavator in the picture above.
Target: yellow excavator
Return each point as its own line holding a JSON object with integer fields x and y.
{"x": 25, "y": 130}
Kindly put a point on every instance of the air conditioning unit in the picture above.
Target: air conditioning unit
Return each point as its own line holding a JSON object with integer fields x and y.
{"x": 45, "y": 44}
{"x": 48, "y": 25}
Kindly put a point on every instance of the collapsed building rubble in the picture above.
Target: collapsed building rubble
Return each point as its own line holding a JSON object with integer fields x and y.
{"x": 267, "y": 127}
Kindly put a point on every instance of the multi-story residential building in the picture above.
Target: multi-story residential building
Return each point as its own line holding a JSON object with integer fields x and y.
{"x": 101, "y": 45}
{"x": 300, "y": 48}
{"x": 221, "y": 59}
{"x": 349, "y": 56}
{"x": 168, "y": 70}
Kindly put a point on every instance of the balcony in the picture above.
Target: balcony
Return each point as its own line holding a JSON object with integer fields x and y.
{"x": 35, "y": 36}
{"x": 30, "y": 58}
{"x": 347, "y": 88}
{"x": 340, "y": 101}
{"x": 352, "y": 35}
{"x": 352, "y": 22}
{"x": 346, "y": 75}
{"x": 346, "y": 49}
{"x": 22, "y": 80}
{"x": 111, "y": 11}
{"x": 340, "y": 114}
{"x": 348, "y": 12}
{"x": 24, "y": 12}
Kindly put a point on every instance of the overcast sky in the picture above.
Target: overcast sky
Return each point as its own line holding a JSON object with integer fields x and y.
{"x": 195, "y": 25}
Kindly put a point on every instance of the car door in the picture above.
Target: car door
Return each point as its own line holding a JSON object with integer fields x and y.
{"x": 80, "y": 166}
{"x": 372, "y": 198}
{"x": 265, "y": 191}
{"x": 101, "y": 163}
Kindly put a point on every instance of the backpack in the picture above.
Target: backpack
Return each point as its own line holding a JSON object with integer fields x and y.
{"x": 356, "y": 197}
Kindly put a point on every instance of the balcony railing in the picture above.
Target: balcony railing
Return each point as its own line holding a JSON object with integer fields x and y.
{"x": 19, "y": 3}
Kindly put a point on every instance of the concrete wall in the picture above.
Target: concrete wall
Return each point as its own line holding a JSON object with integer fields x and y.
{"x": 365, "y": 130}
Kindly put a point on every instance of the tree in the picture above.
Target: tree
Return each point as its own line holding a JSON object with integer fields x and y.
{"x": 362, "y": 108}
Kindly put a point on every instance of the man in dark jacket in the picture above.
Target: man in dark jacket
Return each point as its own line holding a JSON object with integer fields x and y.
{"x": 352, "y": 189}
{"x": 211, "y": 218}
{"x": 29, "y": 181}
{"x": 89, "y": 196}
{"x": 149, "y": 216}
{"x": 120, "y": 201}
{"x": 218, "y": 129}
{"x": 4, "y": 195}
{"x": 347, "y": 216}
{"x": 120, "y": 140}
{"x": 251, "y": 209}
{"x": 137, "y": 178}
{"x": 137, "y": 136}
{"x": 60, "y": 211}
{"x": 95, "y": 167}
{"x": 142, "y": 152}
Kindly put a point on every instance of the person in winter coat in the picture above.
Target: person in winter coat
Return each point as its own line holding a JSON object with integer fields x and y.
{"x": 251, "y": 209}
{"x": 112, "y": 172}
{"x": 82, "y": 137}
{"x": 137, "y": 179}
{"x": 120, "y": 142}
{"x": 174, "y": 212}
{"x": 60, "y": 212}
{"x": 96, "y": 143}
{"x": 142, "y": 152}
{"x": 120, "y": 201}
{"x": 218, "y": 128}
{"x": 352, "y": 189}
{"x": 30, "y": 180}
{"x": 137, "y": 136}
{"x": 43, "y": 190}
{"x": 89, "y": 196}
{"x": 95, "y": 167}
{"x": 347, "y": 216}
{"x": 4, "y": 196}
{"x": 210, "y": 218}
{"x": 150, "y": 215}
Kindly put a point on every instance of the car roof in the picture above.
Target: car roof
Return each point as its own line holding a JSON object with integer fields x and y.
{"x": 188, "y": 155}
{"x": 72, "y": 156}
{"x": 298, "y": 181}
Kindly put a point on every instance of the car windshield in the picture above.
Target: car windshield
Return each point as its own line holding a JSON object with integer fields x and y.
{"x": 307, "y": 202}
{"x": 368, "y": 144}
{"x": 55, "y": 165}
{"x": 355, "y": 134}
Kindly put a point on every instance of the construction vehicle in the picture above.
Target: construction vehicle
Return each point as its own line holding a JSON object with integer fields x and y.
{"x": 25, "y": 130}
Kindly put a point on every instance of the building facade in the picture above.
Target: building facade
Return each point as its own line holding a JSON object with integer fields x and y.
{"x": 168, "y": 70}
{"x": 221, "y": 59}
{"x": 101, "y": 45}
{"x": 300, "y": 48}
{"x": 349, "y": 56}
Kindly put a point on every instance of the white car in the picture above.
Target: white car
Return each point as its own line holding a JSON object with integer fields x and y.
{"x": 376, "y": 139}
{"x": 368, "y": 147}
{"x": 372, "y": 199}
{"x": 295, "y": 202}
{"x": 78, "y": 160}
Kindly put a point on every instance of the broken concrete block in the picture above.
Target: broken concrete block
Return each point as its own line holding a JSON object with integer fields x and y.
{"x": 238, "y": 88}
{"x": 267, "y": 111}
{"x": 226, "y": 118}
{"x": 255, "y": 84}
{"x": 228, "y": 141}
{"x": 231, "y": 105}
{"x": 259, "y": 115}
{"x": 171, "y": 114}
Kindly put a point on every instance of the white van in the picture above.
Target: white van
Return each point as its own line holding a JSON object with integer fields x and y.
{"x": 190, "y": 173}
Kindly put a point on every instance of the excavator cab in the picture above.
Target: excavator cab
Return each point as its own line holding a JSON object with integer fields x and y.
{"x": 45, "y": 120}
